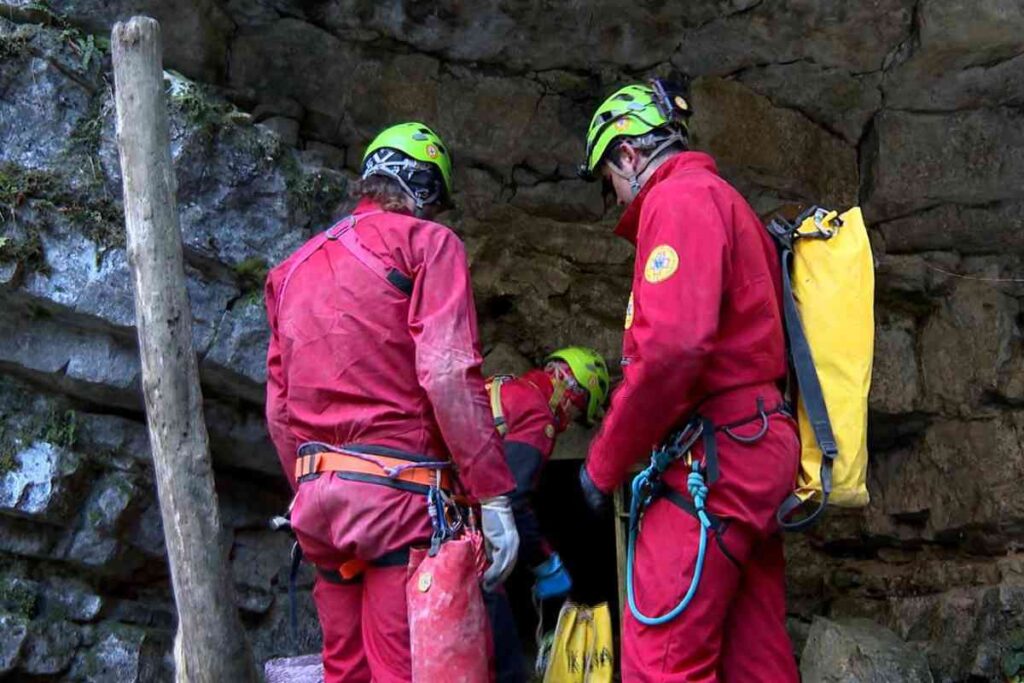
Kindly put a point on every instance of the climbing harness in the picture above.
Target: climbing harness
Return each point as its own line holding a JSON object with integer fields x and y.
{"x": 378, "y": 465}
{"x": 648, "y": 486}
{"x": 344, "y": 233}
{"x": 446, "y": 516}
{"x": 374, "y": 464}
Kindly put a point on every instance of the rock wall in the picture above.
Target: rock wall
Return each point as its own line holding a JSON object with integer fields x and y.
{"x": 912, "y": 108}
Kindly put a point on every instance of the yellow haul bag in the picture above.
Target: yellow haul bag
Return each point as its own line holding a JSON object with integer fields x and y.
{"x": 828, "y": 297}
{"x": 582, "y": 648}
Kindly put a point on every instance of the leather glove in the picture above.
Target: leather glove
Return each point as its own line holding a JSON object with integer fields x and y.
{"x": 553, "y": 580}
{"x": 499, "y": 528}
{"x": 597, "y": 500}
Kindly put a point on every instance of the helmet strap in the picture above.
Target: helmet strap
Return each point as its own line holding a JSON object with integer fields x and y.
{"x": 387, "y": 165}
{"x": 634, "y": 178}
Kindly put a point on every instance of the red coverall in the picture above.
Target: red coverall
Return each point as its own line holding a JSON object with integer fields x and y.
{"x": 532, "y": 429}
{"x": 353, "y": 360}
{"x": 703, "y": 335}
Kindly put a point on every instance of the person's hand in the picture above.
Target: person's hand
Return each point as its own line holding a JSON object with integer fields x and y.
{"x": 553, "y": 580}
{"x": 597, "y": 500}
{"x": 502, "y": 538}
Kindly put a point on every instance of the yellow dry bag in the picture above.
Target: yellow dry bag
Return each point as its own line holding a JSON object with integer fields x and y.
{"x": 828, "y": 297}
{"x": 582, "y": 649}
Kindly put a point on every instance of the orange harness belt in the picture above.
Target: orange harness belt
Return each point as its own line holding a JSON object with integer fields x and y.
{"x": 329, "y": 461}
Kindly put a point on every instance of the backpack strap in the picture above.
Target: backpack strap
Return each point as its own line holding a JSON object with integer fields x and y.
{"x": 813, "y": 398}
{"x": 497, "y": 410}
{"x": 347, "y": 237}
{"x": 344, "y": 234}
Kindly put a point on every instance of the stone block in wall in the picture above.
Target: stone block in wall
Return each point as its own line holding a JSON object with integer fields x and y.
{"x": 286, "y": 129}
{"x": 918, "y": 160}
{"x": 40, "y": 481}
{"x": 966, "y": 631}
{"x": 121, "y": 654}
{"x": 324, "y": 154}
{"x": 860, "y": 651}
{"x": 195, "y": 33}
{"x": 967, "y": 346}
{"x": 50, "y": 646}
{"x": 237, "y": 359}
{"x": 968, "y": 55}
{"x": 841, "y": 101}
{"x": 503, "y": 359}
{"x": 992, "y": 229}
{"x": 259, "y": 565}
{"x": 72, "y": 597}
{"x": 96, "y": 542}
{"x": 856, "y": 37}
{"x": 23, "y": 537}
{"x": 13, "y": 632}
{"x": 895, "y": 382}
{"x": 272, "y": 636}
{"x": 772, "y": 147}
{"x": 959, "y": 482}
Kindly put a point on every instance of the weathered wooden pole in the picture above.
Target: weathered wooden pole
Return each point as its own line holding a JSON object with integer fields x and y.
{"x": 210, "y": 643}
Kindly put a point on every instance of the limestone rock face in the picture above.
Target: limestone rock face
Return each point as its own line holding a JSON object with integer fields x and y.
{"x": 911, "y": 108}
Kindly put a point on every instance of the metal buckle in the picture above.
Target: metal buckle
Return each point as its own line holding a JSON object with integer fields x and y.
{"x": 826, "y": 222}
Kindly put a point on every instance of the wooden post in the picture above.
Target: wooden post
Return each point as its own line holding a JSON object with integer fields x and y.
{"x": 210, "y": 645}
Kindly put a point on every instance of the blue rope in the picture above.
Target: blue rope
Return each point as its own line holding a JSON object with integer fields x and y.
{"x": 644, "y": 487}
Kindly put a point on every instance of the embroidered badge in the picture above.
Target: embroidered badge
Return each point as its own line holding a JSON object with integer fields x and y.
{"x": 549, "y": 431}
{"x": 629, "y": 312}
{"x": 661, "y": 264}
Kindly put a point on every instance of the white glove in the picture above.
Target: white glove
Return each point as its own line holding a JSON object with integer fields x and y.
{"x": 502, "y": 538}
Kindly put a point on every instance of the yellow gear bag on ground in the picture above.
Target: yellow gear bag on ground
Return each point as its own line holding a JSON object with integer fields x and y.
{"x": 828, "y": 299}
{"x": 582, "y": 650}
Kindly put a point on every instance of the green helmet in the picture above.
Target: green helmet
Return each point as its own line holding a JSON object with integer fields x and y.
{"x": 408, "y": 153}
{"x": 630, "y": 112}
{"x": 590, "y": 370}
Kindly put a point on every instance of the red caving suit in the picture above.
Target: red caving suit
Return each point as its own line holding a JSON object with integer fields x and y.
{"x": 353, "y": 360}
{"x": 703, "y": 335}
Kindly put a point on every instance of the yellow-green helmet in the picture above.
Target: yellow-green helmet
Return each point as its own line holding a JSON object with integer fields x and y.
{"x": 590, "y": 370}
{"x": 400, "y": 152}
{"x": 633, "y": 111}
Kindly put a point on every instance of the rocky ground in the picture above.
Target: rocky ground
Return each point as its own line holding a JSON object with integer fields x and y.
{"x": 912, "y": 108}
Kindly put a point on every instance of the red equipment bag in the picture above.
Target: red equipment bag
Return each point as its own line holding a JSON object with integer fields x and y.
{"x": 448, "y": 626}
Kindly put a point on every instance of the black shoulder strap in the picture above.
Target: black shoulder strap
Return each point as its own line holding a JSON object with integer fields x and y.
{"x": 812, "y": 396}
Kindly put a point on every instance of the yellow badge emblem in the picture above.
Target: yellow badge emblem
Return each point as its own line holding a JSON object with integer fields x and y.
{"x": 629, "y": 312}
{"x": 549, "y": 431}
{"x": 661, "y": 264}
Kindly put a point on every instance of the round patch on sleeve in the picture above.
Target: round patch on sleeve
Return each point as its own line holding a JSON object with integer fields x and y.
{"x": 629, "y": 312}
{"x": 661, "y": 264}
{"x": 549, "y": 431}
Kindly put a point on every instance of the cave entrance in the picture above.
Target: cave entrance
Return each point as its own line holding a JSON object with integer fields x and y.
{"x": 587, "y": 546}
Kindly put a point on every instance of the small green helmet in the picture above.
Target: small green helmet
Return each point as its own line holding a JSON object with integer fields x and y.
{"x": 590, "y": 370}
{"x": 630, "y": 112}
{"x": 405, "y": 153}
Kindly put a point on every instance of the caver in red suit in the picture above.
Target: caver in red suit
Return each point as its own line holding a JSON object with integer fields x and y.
{"x": 355, "y": 360}
{"x": 703, "y": 336}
